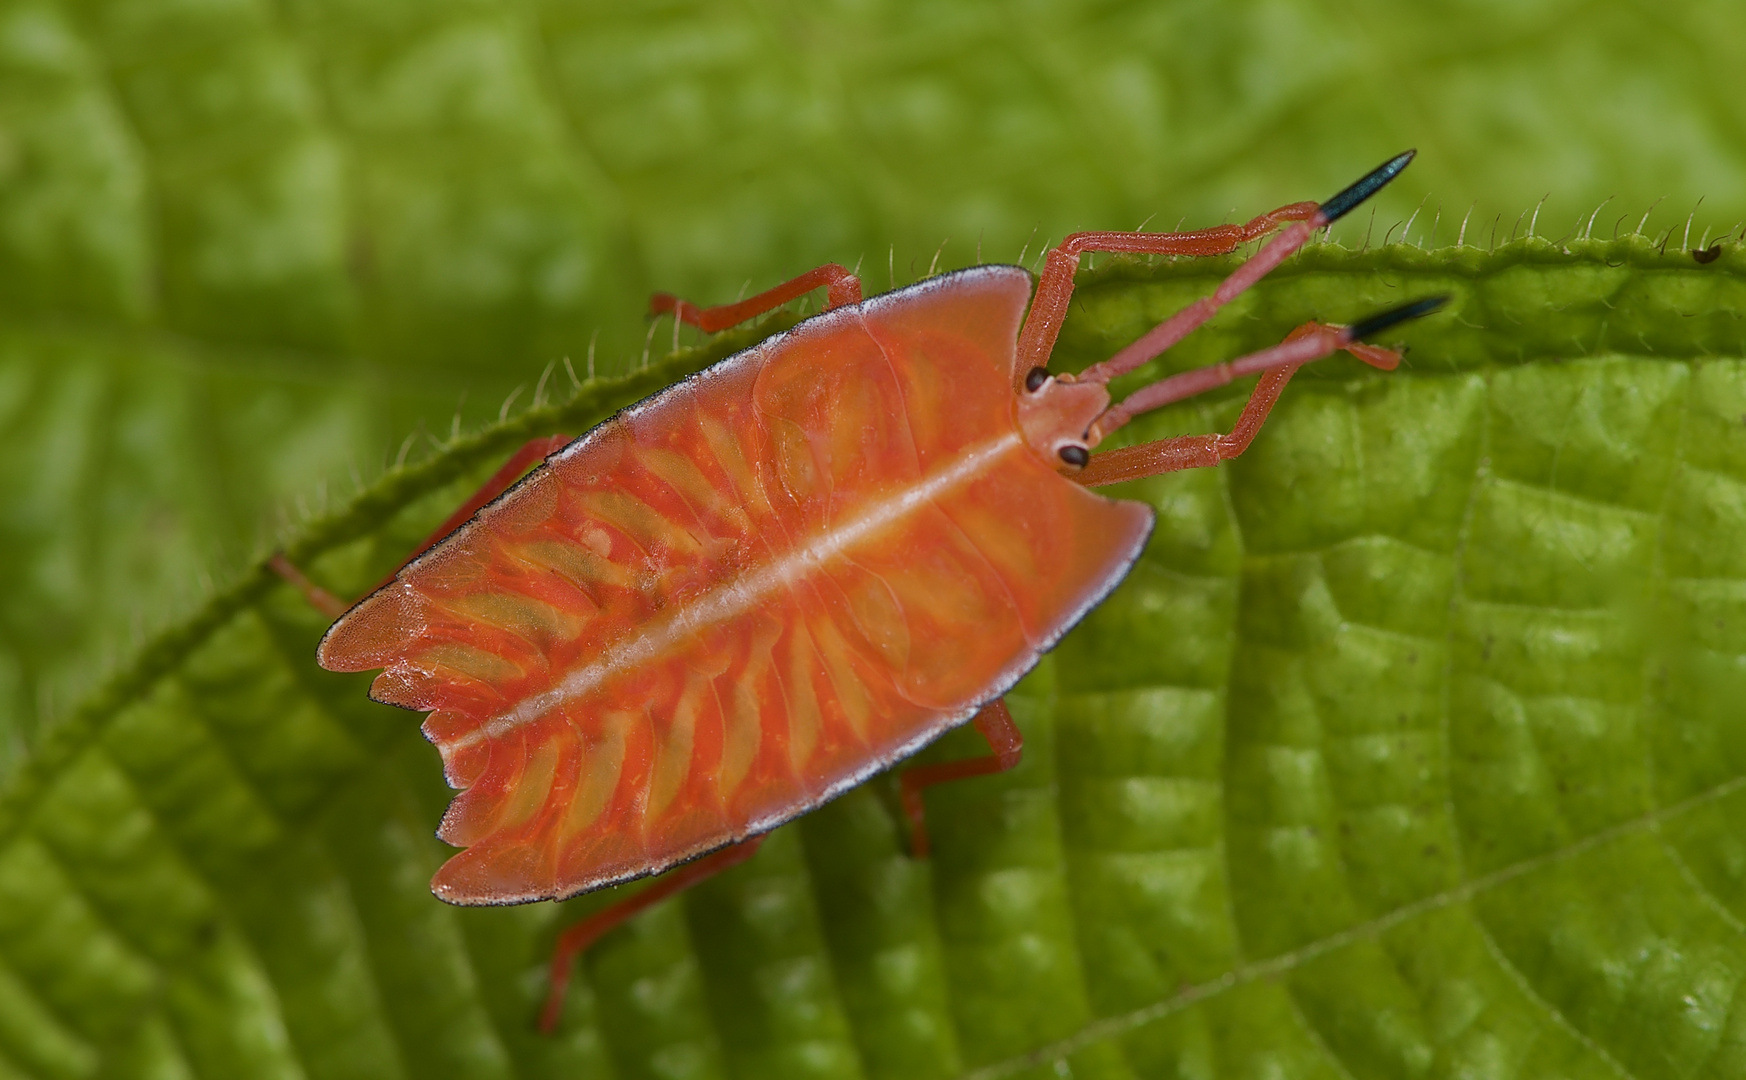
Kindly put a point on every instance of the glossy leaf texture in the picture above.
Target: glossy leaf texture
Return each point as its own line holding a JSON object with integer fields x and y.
{"x": 248, "y": 248}
{"x": 1411, "y": 748}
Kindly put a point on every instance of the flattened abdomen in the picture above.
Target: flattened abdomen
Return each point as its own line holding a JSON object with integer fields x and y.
{"x": 737, "y": 599}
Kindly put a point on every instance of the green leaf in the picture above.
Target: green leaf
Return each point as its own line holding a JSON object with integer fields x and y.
{"x": 247, "y": 249}
{"x": 1406, "y": 750}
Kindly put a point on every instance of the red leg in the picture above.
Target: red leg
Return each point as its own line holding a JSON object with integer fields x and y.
{"x": 1205, "y": 451}
{"x": 319, "y": 598}
{"x": 1055, "y": 286}
{"x": 333, "y": 607}
{"x": 1055, "y": 289}
{"x": 995, "y": 724}
{"x": 1189, "y": 451}
{"x": 844, "y": 288}
{"x": 574, "y": 941}
{"x": 534, "y": 450}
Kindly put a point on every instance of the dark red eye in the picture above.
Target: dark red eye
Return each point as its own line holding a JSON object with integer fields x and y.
{"x": 1035, "y": 378}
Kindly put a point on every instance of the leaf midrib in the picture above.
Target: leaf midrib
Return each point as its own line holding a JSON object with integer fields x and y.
{"x": 1110, "y": 1027}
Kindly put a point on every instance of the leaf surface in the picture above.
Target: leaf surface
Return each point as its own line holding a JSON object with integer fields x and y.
{"x": 1406, "y": 750}
{"x": 248, "y": 248}
{"x": 1409, "y": 750}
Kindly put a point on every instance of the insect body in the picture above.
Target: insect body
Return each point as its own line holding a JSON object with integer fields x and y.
{"x": 757, "y": 588}
{"x": 742, "y": 596}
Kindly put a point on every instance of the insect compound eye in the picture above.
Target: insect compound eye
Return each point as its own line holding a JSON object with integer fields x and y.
{"x": 1035, "y": 378}
{"x": 1076, "y": 456}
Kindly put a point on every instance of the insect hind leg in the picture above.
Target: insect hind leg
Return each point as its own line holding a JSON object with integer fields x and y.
{"x": 995, "y": 724}
{"x": 333, "y": 607}
{"x": 319, "y": 598}
{"x": 576, "y": 940}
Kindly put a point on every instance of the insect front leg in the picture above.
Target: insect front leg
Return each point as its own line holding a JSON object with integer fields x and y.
{"x": 842, "y": 287}
{"x": 1055, "y": 287}
{"x": 995, "y": 724}
{"x": 534, "y": 451}
{"x": 1205, "y": 451}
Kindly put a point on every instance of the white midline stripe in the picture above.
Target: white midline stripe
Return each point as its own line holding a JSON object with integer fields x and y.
{"x": 739, "y": 596}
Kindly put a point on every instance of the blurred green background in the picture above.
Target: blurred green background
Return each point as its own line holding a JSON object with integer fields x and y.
{"x": 252, "y": 252}
{"x": 248, "y": 248}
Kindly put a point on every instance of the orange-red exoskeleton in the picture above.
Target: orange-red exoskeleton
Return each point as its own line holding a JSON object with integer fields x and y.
{"x": 759, "y": 587}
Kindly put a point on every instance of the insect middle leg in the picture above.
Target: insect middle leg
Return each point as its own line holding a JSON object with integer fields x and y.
{"x": 575, "y": 941}
{"x": 333, "y": 607}
{"x": 995, "y": 724}
{"x": 842, "y": 287}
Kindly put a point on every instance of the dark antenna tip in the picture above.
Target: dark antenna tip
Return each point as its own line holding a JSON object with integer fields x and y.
{"x": 1347, "y": 201}
{"x": 1376, "y": 324}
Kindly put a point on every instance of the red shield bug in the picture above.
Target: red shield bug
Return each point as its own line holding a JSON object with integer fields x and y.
{"x": 742, "y": 596}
